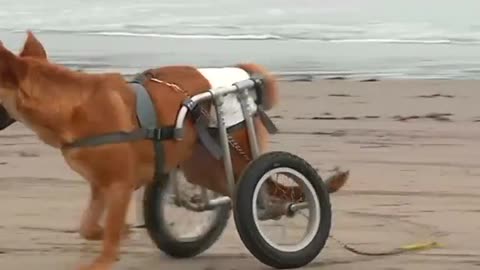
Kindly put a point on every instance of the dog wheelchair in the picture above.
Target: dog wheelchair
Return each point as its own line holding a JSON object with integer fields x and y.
{"x": 254, "y": 200}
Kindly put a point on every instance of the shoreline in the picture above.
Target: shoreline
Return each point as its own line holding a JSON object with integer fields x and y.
{"x": 311, "y": 78}
{"x": 294, "y": 60}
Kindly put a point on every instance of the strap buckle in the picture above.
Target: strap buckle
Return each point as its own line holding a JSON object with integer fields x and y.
{"x": 190, "y": 104}
{"x": 193, "y": 108}
{"x": 155, "y": 134}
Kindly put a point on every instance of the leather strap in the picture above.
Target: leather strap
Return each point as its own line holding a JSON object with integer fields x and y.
{"x": 201, "y": 125}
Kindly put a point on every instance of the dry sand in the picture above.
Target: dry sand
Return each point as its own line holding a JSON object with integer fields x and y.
{"x": 412, "y": 179}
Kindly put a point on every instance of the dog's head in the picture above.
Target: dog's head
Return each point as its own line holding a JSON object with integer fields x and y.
{"x": 12, "y": 67}
{"x": 13, "y": 70}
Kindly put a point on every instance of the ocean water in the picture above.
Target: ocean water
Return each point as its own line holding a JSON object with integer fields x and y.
{"x": 356, "y": 38}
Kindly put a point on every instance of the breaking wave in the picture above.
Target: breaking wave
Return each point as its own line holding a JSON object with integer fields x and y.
{"x": 314, "y": 37}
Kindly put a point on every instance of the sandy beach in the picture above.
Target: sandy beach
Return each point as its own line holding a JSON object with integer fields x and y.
{"x": 412, "y": 148}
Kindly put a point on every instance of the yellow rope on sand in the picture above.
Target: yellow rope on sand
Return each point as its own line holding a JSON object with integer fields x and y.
{"x": 396, "y": 251}
{"x": 421, "y": 246}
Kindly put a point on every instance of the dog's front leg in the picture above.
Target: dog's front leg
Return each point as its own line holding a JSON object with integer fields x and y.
{"x": 90, "y": 228}
{"x": 117, "y": 195}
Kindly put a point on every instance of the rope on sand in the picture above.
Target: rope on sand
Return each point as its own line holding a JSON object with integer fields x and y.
{"x": 403, "y": 249}
{"x": 335, "y": 182}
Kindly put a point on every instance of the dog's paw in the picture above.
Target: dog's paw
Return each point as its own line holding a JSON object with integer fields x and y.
{"x": 95, "y": 266}
{"x": 127, "y": 230}
{"x": 94, "y": 233}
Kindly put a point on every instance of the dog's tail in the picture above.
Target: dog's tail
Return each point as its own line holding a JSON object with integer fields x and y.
{"x": 271, "y": 86}
{"x": 337, "y": 180}
{"x": 333, "y": 184}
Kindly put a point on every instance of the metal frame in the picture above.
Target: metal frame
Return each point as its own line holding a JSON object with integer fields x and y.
{"x": 241, "y": 89}
{"x": 217, "y": 95}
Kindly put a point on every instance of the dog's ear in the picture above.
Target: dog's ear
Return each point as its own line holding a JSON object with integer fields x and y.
{"x": 12, "y": 69}
{"x": 33, "y": 47}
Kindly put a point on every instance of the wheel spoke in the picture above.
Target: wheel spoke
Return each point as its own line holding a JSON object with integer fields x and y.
{"x": 303, "y": 214}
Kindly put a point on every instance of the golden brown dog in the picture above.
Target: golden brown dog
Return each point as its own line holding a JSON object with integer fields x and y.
{"x": 61, "y": 106}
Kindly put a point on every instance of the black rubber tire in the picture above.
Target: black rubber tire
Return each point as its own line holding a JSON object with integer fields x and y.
{"x": 159, "y": 233}
{"x": 244, "y": 219}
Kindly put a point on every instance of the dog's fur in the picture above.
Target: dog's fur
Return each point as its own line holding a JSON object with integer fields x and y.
{"x": 61, "y": 105}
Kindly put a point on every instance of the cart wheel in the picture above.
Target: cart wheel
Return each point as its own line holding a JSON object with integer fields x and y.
{"x": 281, "y": 202}
{"x": 159, "y": 205}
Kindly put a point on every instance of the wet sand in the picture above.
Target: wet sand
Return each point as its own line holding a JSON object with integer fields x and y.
{"x": 413, "y": 152}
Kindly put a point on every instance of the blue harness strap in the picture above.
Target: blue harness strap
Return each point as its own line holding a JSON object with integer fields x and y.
{"x": 147, "y": 117}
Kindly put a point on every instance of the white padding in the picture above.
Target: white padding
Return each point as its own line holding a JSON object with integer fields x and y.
{"x": 220, "y": 77}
